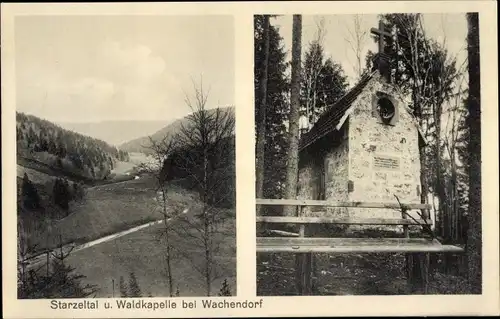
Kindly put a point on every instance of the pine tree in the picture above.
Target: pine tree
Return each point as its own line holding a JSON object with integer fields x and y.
{"x": 61, "y": 151}
{"x": 19, "y": 134}
{"x": 75, "y": 158}
{"x": 79, "y": 191}
{"x": 75, "y": 191}
{"x": 43, "y": 143}
{"x": 276, "y": 106}
{"x": 30, "y": 197}
{"x": 123, "y": 288}
{"x": 31, "y": 137}
{"x": 61, "y": 282}
{"x": 133, "y": 286}
{"x": 61, "y": 194}
{"x": 66, "y": 283}
{"x": 323, "y": 82}
{"x": 225, "y": 290}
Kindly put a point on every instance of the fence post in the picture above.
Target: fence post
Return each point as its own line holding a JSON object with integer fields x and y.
{"x": 307, "y": 260}
{"x": 298, "y": 261}
{"x": 303, "y": 264}
{"x": 425, "y": 259}
{"x": 417, "y": 264}
{"x": 408, "y": 257}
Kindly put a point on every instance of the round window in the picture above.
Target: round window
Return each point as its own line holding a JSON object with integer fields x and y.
{"x": 386, "y": 109}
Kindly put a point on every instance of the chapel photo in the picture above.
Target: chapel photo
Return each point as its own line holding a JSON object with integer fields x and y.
{"x": 367, "y": 154}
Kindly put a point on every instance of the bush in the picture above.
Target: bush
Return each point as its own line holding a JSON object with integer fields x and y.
{"x": 133, "y": 287}
{"x": 225, "y": 290}
{"x": 61, "y": 193}
{"x": 123, "y": 288}
{"x": 60, "y": 282}
{"x": 29, "y": 194}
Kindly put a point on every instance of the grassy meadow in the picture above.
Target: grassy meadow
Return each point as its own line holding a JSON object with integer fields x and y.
{"x": 143, "y": 253}
{"x": 35, "y": 176}
{"x": 111, "y": 208}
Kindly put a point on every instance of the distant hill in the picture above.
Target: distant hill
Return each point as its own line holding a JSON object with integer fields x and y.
{"x": 73, "y": 154}
{"x": 116, "y": 132}
{"x": 139, "y": 145}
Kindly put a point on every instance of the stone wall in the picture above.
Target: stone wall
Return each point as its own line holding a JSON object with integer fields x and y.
{"x": 383, "y": 159}
{"x": 328, "y": 161}
{"x": 336, "y": 175}
{"x": 306, "y": 180}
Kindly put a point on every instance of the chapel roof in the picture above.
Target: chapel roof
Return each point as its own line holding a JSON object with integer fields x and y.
{"x": 334, "y": 113}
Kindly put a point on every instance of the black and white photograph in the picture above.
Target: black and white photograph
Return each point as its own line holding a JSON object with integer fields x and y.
{"x": 368, "y": 154}
{"x": 125, "y": 156}
{"x": 249, "y": 159}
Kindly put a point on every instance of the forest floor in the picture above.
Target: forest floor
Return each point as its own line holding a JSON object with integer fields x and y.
{"x": 348, "y": 274}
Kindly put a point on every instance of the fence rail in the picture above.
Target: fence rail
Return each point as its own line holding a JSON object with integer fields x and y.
{"x": 351, "y": 245}
{"x": 304, "y": 202}
{"x": 346, "y": 221}
{"x": 304, "y": 247}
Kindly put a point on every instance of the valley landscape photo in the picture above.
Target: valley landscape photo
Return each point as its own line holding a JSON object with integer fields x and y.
{"x": 125, "y": 156}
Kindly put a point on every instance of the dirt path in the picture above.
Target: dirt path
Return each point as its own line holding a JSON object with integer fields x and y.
{"x": 111, "y": 184}
{"x": 36, "y": 261}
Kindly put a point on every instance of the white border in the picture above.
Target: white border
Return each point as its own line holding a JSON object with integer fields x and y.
{"x": 488, "y": 303}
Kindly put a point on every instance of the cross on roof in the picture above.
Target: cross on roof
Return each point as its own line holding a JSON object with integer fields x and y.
{"x": 383, "y": 34}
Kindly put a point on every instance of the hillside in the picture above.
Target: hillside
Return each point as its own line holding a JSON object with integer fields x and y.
{"x": 49, "y": 144}
{"x": 107, "y": 209}
{"x": 115, "y": 132}
{"x": 139, "y": 145}
{"x": 42, "y": 197}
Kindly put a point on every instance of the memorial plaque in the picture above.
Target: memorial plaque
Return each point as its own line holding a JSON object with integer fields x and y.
{"x": 382, "y": 162}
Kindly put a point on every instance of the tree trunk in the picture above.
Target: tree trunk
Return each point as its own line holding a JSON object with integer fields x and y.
{"x": 206, "y": 230}
{"x": 293, "y": 134}
{"x": 167, "y": 239}
{"x": 261, "y": 120}
{"x": 293, "y": 125}
{"x": 474, "y": 244}
{"x": 418, "y": 264}
{"x": 443, "y": 196}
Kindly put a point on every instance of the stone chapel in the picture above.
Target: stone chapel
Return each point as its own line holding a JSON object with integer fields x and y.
{"x": 364, "y": 148}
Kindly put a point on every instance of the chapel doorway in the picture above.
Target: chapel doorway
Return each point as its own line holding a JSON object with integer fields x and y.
{"x": 320, "y": 188}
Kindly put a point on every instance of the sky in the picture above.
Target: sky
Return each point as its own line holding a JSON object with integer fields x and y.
{"x": 450, "y": 29}
{"x": 98, "y": 68}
